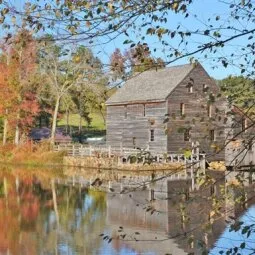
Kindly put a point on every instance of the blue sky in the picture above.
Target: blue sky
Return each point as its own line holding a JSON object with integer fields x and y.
{"x": 203, "y": 9}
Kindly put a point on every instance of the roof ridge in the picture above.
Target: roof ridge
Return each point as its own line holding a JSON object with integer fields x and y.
{"x": 162, "y": 68}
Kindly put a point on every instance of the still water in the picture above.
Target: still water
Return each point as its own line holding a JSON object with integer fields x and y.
{"x": 58, "y": 212}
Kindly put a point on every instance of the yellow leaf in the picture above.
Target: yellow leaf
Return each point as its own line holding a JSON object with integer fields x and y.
{"x": 14, "y": 20}
{"x": 175, "y": 6}
{"x": 212, "y": 213}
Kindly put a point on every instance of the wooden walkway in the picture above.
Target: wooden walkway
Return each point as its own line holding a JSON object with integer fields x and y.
{"x": 76, "y": 150}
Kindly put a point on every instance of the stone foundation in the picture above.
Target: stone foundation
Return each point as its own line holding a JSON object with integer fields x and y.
{"x": 113, "y": 163}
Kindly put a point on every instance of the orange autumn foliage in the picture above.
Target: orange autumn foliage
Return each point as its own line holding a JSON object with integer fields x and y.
{"x": 18, "y": 101}
{"x": 30, "y": 153}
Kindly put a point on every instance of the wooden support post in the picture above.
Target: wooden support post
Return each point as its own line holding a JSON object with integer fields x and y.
{"x": 73, "y": 150}
{"x": 192, "y": 174}
{"x": 121, "y": 188}
{"x": 109, "y": 151}
{"x": 121, "y": 149}
{"x": 81, "y": 151}
{"x": 203, "y": 163}
{"x": 185, "y": 167}
{"x": 152, "y": 195}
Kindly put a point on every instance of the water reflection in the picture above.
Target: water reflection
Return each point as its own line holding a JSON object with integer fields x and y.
{"x": 230, "y": 239}
{"x": 51, "y": 214}
{"x": 42, "y": 217}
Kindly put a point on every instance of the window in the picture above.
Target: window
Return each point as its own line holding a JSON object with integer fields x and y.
{"x": 182, "y": 108}
{"x": 125, "y": 112}
{"x": 152, "y": 137}
{"x": 134, "y": 142}
{"x": 144, "y": 110}
{"x": 212, "y": 135}
{"x": 205, "y": 88}
{"x": 209, "y": 110}
{"x": 190, "y": 88}
{"x": 187, "y": 135}
{"x": 190, "y": 85}
{"x": 244, "y": 124}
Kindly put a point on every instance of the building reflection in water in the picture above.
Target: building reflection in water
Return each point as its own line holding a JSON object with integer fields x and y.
{"x": 184, "y": 218}
{"x": 42, "y": 215}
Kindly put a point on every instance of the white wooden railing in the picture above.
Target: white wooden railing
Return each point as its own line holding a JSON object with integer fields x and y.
{"x": 77, "y": 150}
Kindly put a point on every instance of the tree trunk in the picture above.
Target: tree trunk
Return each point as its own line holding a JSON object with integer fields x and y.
{"x": 54, "y": 120}
{"x": 16, "y": 140}
{"x": 80, "y": 129}
{"x": 54, "y": 198}
{"x": 67, "y": 122}
{"x": 101, "y": 111}
{"x": 80, "y": 124}
{"x": 5, "y": 131}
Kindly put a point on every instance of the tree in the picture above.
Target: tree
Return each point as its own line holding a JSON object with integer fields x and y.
{"x": 107, "y": 20}
{"x": 240, "y": 91}
{"x": 90, "y": 95}
{"x": 224, "y": 40}
{"x": 7, "y": 96}
{"x": 137, "y": 59}
{"x": 65, "y": 70}
{"x": 117, "y": 64}
{"x": 19, "y": 83}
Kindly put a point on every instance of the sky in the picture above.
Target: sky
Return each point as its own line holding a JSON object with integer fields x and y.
{"x": 203, "y": 9}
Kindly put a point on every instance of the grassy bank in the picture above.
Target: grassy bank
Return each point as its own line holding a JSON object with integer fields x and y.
{"x": 30, "y": 154}
{"x": 97, "y": 121}
{"x": 95, "y": 129}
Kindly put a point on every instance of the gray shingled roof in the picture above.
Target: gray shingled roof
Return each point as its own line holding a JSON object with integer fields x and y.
{"x": 153, "y": 85}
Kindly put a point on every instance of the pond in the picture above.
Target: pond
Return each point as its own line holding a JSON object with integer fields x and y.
{"x": 93, "y": 212}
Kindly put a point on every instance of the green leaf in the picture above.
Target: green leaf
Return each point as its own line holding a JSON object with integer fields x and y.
{"x": 242, "y": 245}
{"x": 187, "y": 153}
{"x": 127, "y": 41}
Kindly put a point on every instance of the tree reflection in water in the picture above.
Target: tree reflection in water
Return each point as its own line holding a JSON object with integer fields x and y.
{"x": 42, "y": 217}
{"x": 38, "y": 215}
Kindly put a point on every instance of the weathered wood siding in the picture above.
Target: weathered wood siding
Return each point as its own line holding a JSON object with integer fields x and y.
{"x": 240, "y": 149}
{"x": 195, "y": 116}
{"x": 132, "y": 129}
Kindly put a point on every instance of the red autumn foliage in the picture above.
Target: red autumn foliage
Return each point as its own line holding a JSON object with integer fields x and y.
{"x": 18, "y": 101}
